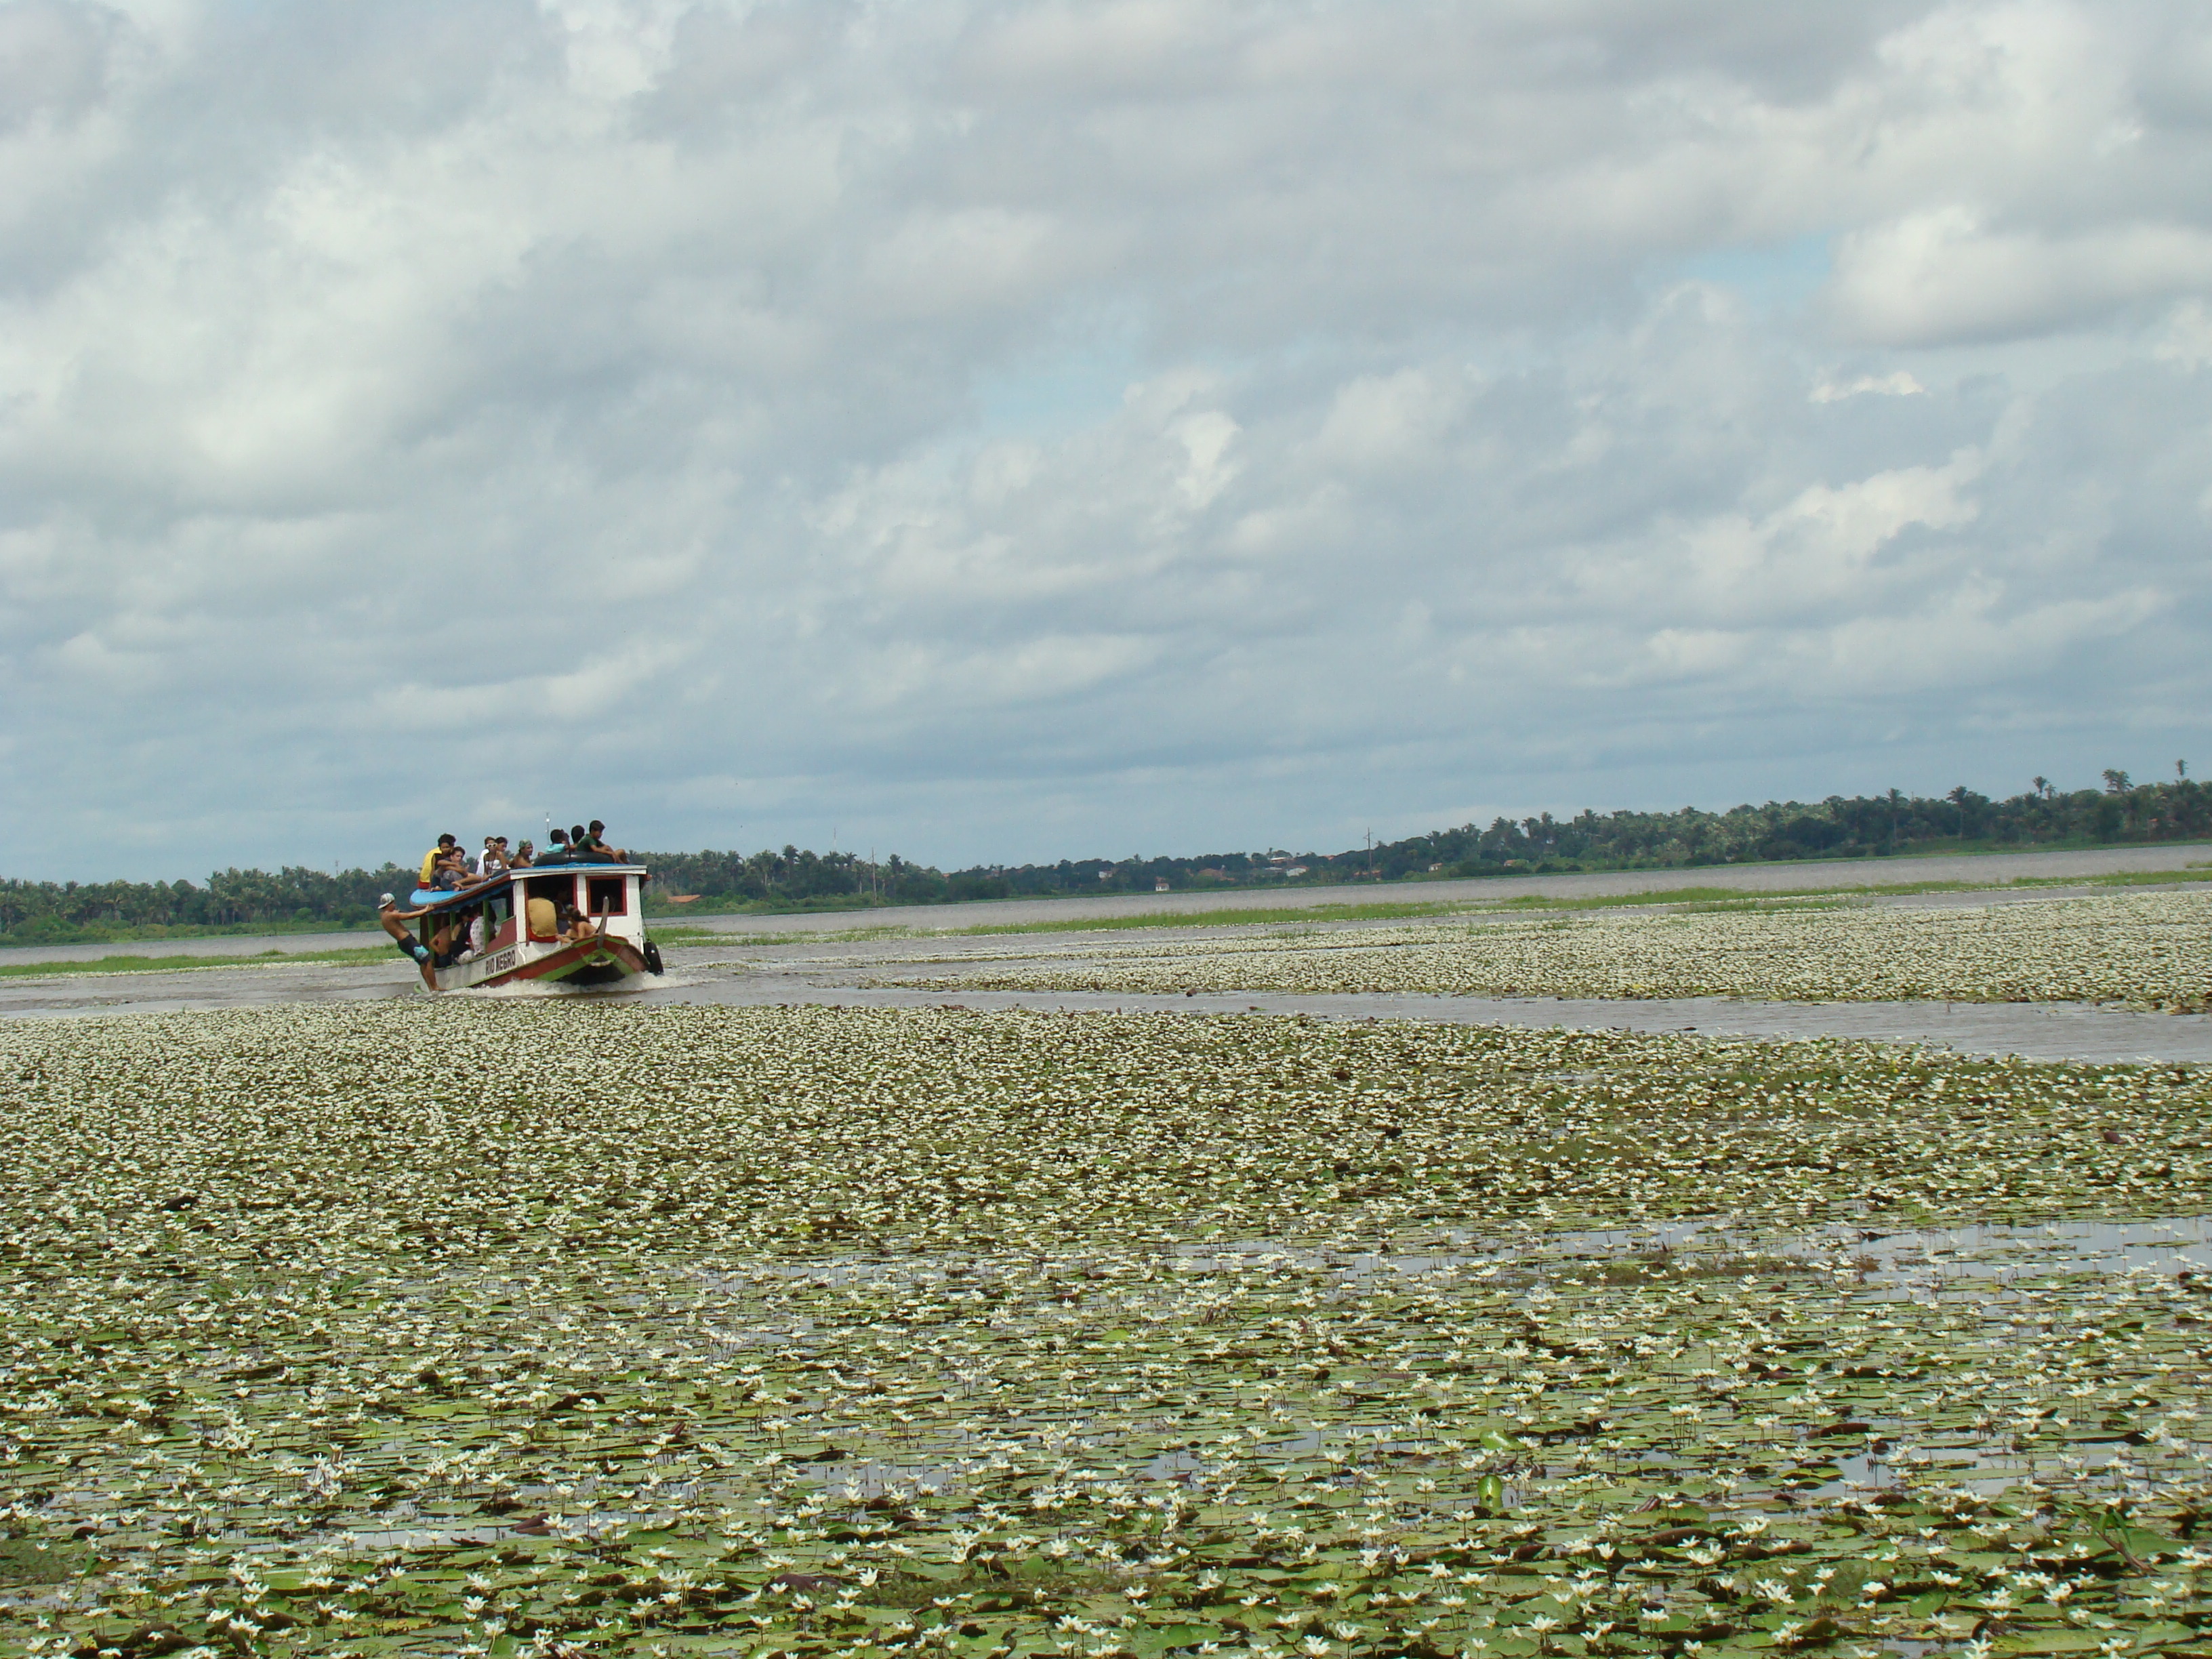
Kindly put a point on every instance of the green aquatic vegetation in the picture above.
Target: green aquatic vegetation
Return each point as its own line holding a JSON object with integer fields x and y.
{"x": 1387, "y": 910}
{"x": 1249, "y": 915}
{"x": 667, "y": 933}
{"x": 560, "y": 1329}
{"x": 2146, "y": 951}
{"x": 164, "y": 964}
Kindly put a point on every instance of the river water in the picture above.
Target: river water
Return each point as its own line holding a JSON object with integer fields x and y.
{"x": 779, "y": 976}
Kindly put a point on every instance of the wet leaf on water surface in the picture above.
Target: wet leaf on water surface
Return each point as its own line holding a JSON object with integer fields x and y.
{"x": 1503, "y": 1403}
{"x": 2140, "y": 949}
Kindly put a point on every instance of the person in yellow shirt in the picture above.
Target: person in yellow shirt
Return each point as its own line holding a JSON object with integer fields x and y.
{"x": 445, "y": 844}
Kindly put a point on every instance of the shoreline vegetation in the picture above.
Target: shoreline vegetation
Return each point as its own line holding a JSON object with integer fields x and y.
{"x": 296, "y": 899}
{"x": 178, "y": 964}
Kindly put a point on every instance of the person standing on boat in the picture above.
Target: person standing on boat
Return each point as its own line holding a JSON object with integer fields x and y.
{"x": 394, "y": 922}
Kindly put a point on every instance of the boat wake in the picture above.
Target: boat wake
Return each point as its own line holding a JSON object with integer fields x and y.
{"x": 538, "y": 990}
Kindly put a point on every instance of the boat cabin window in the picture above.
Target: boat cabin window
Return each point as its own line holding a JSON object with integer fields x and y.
{"x": 540, "y": 901}
{"x": 607, "y": 896}
{"x": 444, "y": 931}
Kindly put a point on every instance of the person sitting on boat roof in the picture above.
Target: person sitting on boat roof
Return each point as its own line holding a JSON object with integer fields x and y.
{"x": 525, "y": 856}
{"x": 445, "y": 844}
{"x": 450, "y": 872}
{"x": 493, "y": 858}
{"x": 558, "y": 853}
{"x": 584, "y": 847}
{"x": 595, "y": 838}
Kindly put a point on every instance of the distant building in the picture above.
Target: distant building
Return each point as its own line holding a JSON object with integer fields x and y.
{"x": 1295, "y": 869}
{"x": 1160, "y": 884}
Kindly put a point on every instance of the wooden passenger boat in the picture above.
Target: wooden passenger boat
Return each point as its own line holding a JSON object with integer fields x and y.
{"x": 521, "y": 940}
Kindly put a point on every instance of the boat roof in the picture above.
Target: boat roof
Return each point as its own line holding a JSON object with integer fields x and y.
{"x": 476, "y": 892}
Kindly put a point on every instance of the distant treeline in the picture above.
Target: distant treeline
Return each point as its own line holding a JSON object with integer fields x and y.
{"x": 61, "y": 913}
{"x": 1861, "y": 826}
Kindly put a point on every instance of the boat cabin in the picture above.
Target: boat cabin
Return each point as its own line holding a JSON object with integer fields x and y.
{"x": 578, "y": 924}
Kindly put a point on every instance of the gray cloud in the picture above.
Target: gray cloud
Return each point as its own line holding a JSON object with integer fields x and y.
{"x": 1004, "y": 430}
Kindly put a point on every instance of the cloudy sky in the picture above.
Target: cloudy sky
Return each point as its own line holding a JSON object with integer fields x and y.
{"x": 1009, "y": 431}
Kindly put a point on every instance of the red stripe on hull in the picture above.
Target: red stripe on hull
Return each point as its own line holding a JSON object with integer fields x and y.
{"x": 564, "y": 962}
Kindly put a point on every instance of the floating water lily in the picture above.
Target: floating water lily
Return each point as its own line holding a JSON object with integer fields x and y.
{"x": 856, "y": 1331}
{"x": 2143, "y": 950}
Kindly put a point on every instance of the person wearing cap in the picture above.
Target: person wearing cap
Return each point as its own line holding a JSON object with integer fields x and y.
{"x": 394, "y": 922}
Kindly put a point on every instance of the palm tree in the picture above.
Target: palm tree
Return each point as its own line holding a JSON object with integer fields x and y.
{"x": 2042, "y": 788}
